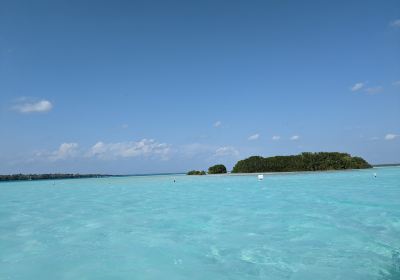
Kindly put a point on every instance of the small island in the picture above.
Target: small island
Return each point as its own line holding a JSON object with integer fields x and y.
{"x": 303, "y": 162}
{"x": 196, "y": 172}
{"x": 217, "y": 169}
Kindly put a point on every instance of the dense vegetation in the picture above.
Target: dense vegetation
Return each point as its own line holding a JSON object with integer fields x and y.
{"x": 21, "y": 177}
{"x": 196, "y": 172}
{"x": 302, "y": 162}
{"x": 217, "y": 169}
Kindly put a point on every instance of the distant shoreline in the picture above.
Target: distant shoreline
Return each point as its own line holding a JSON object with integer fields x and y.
{"x": 295, "y": 172}
{"x": 55, "y": 176}
{"x": 386, "y": 164}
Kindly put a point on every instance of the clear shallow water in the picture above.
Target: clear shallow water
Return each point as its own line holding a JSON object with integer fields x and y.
{"x": 334, "y": 225}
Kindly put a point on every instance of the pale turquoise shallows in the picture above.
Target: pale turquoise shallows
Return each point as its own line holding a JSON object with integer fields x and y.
{"x": 329, "y": 225}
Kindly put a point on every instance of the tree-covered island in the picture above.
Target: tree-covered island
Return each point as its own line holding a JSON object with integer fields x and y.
{"x": 217, "y": 169}
{"x": 302, "y": 162}
{"x": 196, "y": 172}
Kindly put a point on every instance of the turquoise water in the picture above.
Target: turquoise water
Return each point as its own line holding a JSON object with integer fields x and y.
{"x": 333, "y": 225}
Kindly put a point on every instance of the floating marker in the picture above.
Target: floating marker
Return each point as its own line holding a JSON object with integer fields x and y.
{"x": 260, "y": 177}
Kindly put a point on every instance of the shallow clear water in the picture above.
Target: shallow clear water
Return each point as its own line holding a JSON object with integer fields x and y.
{"x": 333, "y": 225}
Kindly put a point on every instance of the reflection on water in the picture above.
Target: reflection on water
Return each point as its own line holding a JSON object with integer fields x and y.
{"x": 393, "y": 273}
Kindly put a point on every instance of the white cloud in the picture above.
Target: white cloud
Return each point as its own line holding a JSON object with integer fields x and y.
{"x": 276, "y": 137}
{"x": 357, "y": 86}
{"x": 226, "y": 151}
{"x": 374, "y": 90}
{"x": 395, "y": 23}
{"x": 370, "y": 90}
{"x": 391, "y": 136}
{"x": 33, "y": 107}
{"x": 254, "y": 137}
{"x": 144, "y": 147}
{"x": 374, "y": 138}
{"x": 217, "y": 124}
{"x": 294, "y": 137}
{"x": 396, "y": 83}
{"x": 66, "y": 150}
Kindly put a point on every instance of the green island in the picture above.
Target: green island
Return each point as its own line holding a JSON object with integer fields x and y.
{"x": 27, "y": 177}
{"x": 217, "y": 169}
{"x": 302, "y": 162}
{"x": 196, "y": 172}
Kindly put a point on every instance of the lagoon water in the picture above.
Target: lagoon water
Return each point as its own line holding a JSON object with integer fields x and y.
{"x": 327, "y": 225}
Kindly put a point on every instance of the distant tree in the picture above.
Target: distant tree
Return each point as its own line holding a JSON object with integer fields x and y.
{"x": 196, "y": 172}
{"x": 217, "y": 169}
{"x": 302, "y": 162}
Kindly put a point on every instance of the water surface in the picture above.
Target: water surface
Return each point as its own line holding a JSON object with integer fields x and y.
{"x": 328, "y": 225}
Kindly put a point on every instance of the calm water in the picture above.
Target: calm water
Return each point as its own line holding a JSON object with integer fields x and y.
{"x": 334, "y": 225}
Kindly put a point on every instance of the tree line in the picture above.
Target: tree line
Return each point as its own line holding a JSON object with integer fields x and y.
{"x": 26, "y": 177}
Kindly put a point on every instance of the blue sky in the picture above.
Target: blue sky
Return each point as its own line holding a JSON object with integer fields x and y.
{"x": 167, "y": 86}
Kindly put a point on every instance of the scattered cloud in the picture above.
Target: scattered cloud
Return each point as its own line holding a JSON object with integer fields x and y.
{"x": 148, "y": 148}
{"x": 217, "y": 124}
{"x": 25, "y": 107}
{"x": 144, "y": 147}
{"x": 361, "y": 87}
{"x": 374, "y": 138}
{"x": 276, "y": 137}
{"x": 395, "y": 23}
{"x": 357, "y": 86}
{"x": 66, "y": 150}
{"x": 254, "y": 137}
{"x": 124, "y": 126}
{"x": 391, "y": 136}
{"x": 396, "y": 83}
{"x": 374, "y": 90}
{"x": 226, "y": 151}
{"x": 295, "y": 137}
